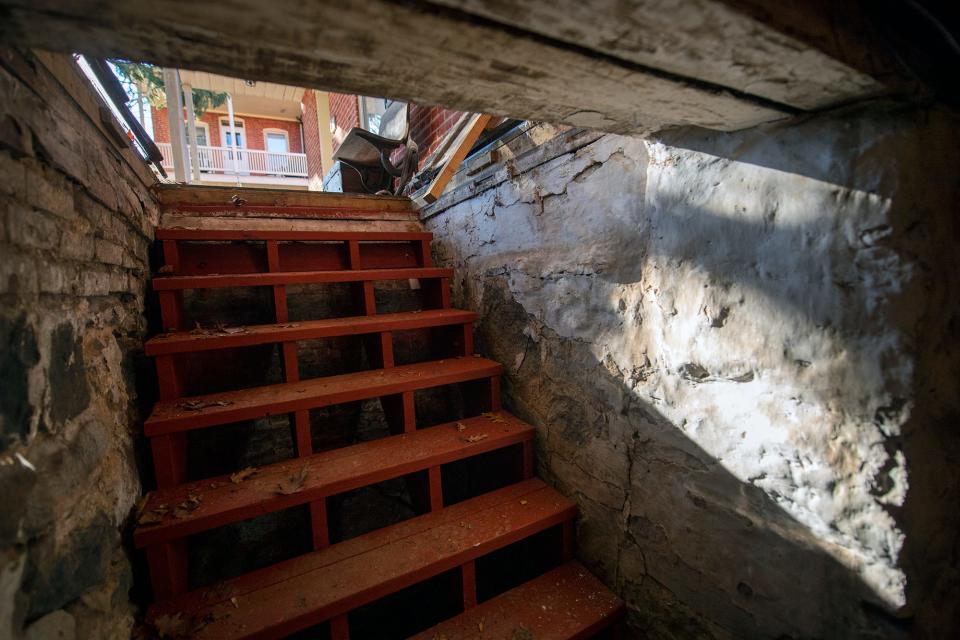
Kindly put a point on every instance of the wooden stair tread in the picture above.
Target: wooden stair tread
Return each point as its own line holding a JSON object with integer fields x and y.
{"x": 567, "y": 603}
{"x": 201, "y": 234}
{"x": 239, "y": 201}
{"x": 222, "y": 501}
{"x": 214, "y": 281}
{"x": 246, "y": 336}
{"x": 232, "y": 406}
{"x": 305, "y": 591}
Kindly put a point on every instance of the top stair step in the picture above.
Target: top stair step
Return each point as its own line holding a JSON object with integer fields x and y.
{"x": 201, "y": 234}
{"x": 281, "y": 203}
{"x": 307, "y": 590}
{"x": 567, "y": 603}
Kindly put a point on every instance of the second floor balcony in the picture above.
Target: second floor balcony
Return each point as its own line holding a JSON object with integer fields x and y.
{"x": 251, "y": 166}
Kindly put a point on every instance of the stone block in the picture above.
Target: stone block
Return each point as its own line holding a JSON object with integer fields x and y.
{"x": 47, "y": 190}
{"x": 76, "y": 246}
{"x": 33, "y": 229}
{"x": 58, "y": 278}
{"x": 14, "y": 174}
{"x": 107, "y": 252}
{"x": 18, "y": 273}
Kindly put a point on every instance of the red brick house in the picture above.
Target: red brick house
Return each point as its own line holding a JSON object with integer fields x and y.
{"x": 285, "y": 136}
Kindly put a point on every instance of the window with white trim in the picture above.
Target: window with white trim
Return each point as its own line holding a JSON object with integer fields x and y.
{"x": 275, "y": 141}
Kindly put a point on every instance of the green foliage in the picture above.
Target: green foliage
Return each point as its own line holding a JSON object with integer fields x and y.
{"x": 149, "y": 80}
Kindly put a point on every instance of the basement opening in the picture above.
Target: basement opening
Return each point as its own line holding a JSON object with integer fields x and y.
{"x": 445, "y": 319}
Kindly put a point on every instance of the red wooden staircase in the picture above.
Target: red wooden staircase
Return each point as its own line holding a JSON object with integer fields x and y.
{"x": 262, "y": 239}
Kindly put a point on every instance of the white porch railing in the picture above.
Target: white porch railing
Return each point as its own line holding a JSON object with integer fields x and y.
{"x": 247, "y": 162}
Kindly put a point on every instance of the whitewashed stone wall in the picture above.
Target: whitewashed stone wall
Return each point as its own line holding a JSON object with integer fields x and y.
{"x": 739, "y": 351}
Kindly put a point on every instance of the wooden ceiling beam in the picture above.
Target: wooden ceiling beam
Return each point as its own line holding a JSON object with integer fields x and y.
{"x": 562, "y": 61}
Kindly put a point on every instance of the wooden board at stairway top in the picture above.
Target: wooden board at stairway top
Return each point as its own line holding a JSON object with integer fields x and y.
{"x": 245, "y": 202}
{"x": 405, "y": 222}
{"x": 458, "y": 151}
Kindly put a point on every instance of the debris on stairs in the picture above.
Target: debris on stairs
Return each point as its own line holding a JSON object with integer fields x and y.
{"x": 209, "y": 241}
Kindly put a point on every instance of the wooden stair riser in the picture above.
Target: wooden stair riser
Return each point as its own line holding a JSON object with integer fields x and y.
{"x": 204, "y": 258}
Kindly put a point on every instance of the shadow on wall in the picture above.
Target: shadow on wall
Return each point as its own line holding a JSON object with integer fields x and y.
{"x": 695, "y": 551}
{"x": 738, "y": 350}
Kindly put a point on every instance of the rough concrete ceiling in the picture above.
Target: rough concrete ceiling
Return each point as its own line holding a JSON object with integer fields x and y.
{"x": 625, "y": 66}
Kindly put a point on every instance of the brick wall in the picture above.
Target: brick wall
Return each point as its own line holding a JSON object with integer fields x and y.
{"x": 346, "y": 111}
{"x": 311, "y": 137}
{"x": 76, "y": 220}
{"x": 428, "y": 125}
{"x": 253, "y": 127}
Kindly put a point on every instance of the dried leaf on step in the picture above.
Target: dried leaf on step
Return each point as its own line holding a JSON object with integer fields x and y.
{"x": 293, "y": 484}
{"x": 290, "y": 325}
{"x": 167, "y": 268}
{"x": 197, "y": 405}
{"x": 240, "y": 476}
{"x": 494, "y": 417}
{"x": 235, "y": 330}
{"x": 480, "y": 625}
{"x": 154, "y": 516}
{"x": 234, "y": 602}
{"x": 461, "y": 426}
{"x": 522, "y": 633}
{"x": 477, "y": 437}
{"x": 149, "y": 519}
{"x": 188, "y": 506}
{"x": 170, "y": 626}
{"x": 523, "y": 502}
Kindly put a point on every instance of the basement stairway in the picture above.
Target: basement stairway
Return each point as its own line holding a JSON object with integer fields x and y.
{"x": 465, "y": 549}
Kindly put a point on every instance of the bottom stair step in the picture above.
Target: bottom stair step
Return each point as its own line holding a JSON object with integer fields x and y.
{"x": 568, "y": 603}
{"x": 307, "y": 590}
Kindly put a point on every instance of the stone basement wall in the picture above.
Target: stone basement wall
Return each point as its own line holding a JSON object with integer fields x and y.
{"x": 740, "y": 352}
{"x": 76, "y": 221}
